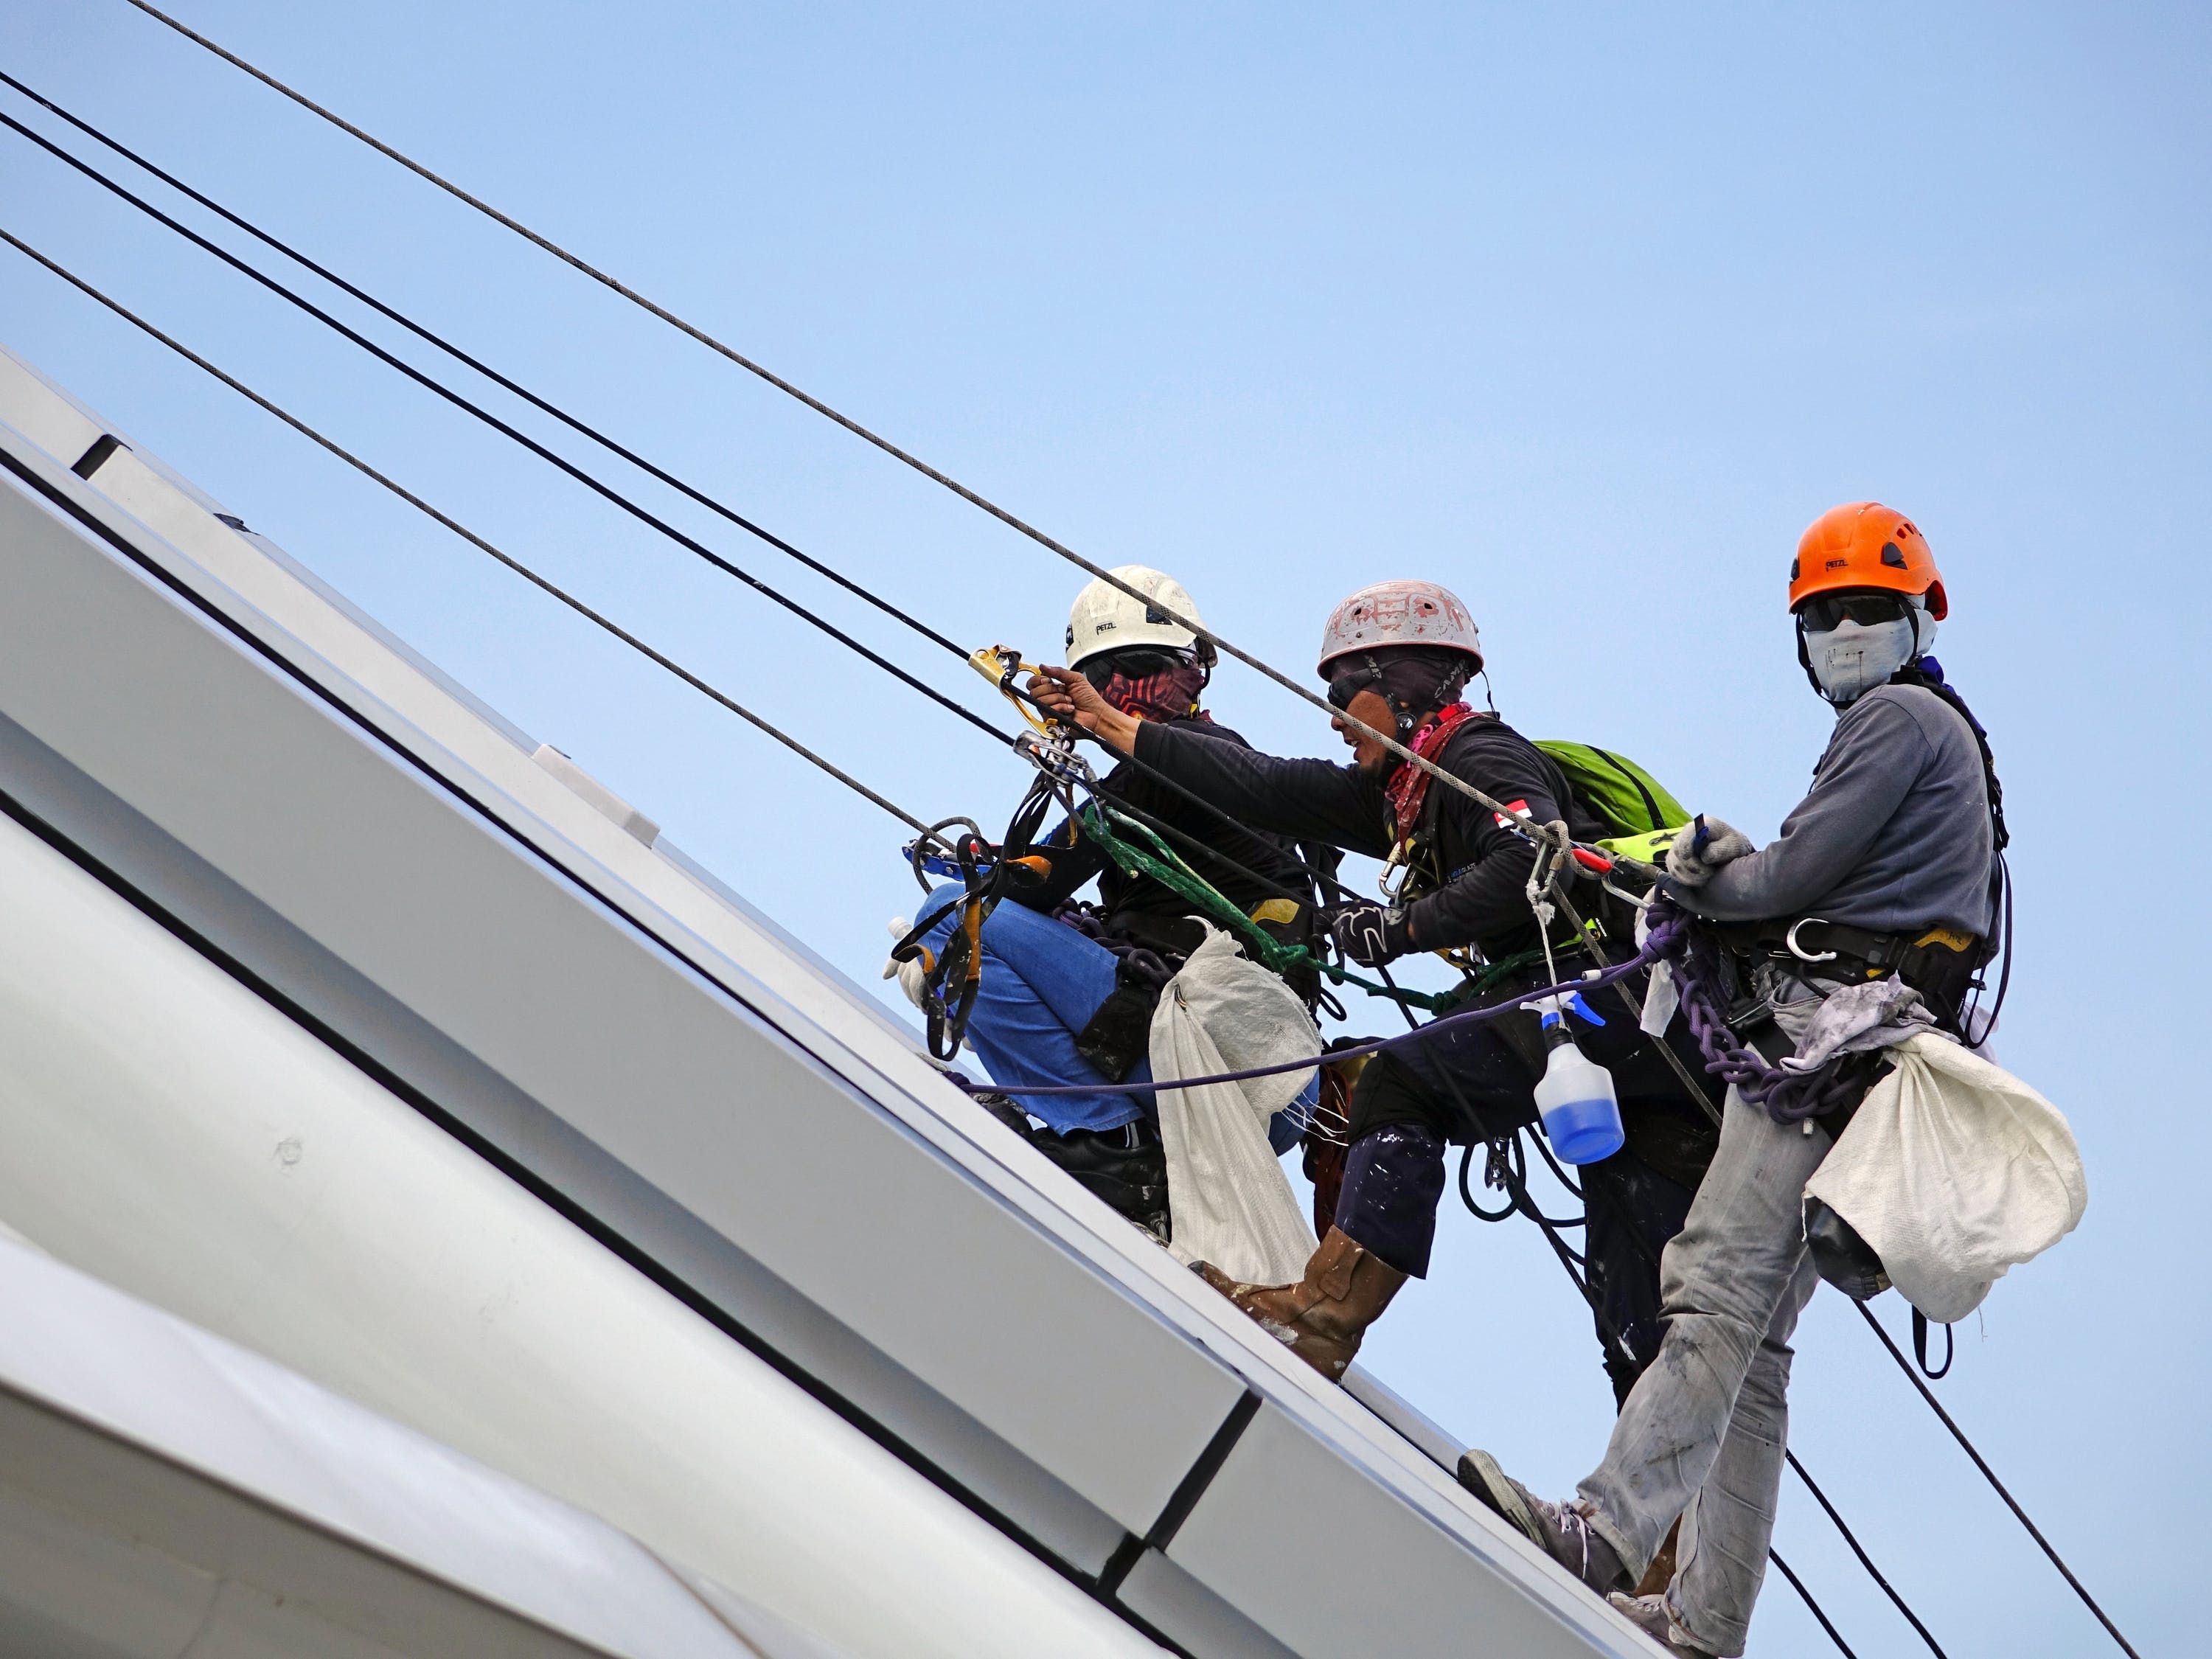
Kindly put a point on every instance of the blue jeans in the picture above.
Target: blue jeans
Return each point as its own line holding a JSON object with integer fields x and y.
{"x": 1042, "y": 982}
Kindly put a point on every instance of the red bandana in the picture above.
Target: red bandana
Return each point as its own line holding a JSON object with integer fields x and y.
{"x": 1409, "y": 785}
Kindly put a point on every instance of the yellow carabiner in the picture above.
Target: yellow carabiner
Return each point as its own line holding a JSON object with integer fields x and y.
{"x": 999, "y": 664}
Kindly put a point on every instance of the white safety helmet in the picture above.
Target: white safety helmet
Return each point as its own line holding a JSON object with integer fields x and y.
{"x": 1399, "y": 613}
{"x": 1104, "y": 618}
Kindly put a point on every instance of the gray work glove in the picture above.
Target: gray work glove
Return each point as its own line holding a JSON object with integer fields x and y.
{"x": 1702, "y": 848}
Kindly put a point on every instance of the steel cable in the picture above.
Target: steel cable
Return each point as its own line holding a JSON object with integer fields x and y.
{"x": 1389, "y": 742}
{"x": 1320, "y": 878}
{"x": 475, "y": 540}
{"x": 611, "y": 445}
{"x": 1805, "y": 1596}
{"x": 552, "y": 458}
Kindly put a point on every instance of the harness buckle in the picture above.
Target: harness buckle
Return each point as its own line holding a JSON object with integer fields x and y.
{"x": 1799, "y": 950}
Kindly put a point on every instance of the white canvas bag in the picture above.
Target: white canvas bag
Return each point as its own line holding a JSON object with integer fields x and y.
{"x": 1230, "y": 1201}
{"x": 1953, "y": 1170}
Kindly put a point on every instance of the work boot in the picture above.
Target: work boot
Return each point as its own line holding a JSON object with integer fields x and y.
{"x": 1125, "y": 1166}
{"x": 1562, "y": 1531}
{"x": 1321, "y": 1317}
{"x": 1648, "y": 1614}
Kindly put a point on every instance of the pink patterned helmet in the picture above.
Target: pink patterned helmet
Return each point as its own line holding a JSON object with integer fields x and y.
{"x": 1399, "y": 613}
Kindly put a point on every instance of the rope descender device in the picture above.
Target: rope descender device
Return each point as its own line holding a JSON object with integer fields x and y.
{"x": 999, "y": 664}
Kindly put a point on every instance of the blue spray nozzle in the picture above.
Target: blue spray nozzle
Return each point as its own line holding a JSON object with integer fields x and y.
{"x": 1553, "y": 1008}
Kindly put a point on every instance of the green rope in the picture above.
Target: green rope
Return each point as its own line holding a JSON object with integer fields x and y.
{"x": 1162, "y": 865}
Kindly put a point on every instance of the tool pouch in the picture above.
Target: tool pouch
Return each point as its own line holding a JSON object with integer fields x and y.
{"x": 1120, "y": 1033}
{"x": 1840, "y": 1255}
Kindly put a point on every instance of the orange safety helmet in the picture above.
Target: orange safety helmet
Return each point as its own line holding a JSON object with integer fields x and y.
{"x": 1865, "y": 544}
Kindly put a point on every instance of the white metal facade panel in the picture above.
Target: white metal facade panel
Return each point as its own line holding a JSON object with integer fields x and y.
{"x": 171, "y": 1134}
{"x": 145, "y": 1466}
{"x": 1418, "y": 1595}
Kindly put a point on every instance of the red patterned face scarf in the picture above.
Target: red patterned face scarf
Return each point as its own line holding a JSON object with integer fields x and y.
{"x": 1409, "y": 785}
{"x": 1152, "y": 684}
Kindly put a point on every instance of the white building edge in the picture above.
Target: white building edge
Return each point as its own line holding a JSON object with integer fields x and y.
{"x": 438, "y": 1218}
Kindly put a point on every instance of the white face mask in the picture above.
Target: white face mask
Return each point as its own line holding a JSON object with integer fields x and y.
{"x": 1849, "y": 660}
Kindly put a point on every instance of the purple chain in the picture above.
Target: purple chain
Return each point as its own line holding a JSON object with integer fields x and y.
{"x": 1787, "y": 1096}
{"x": 1147, "y": 966}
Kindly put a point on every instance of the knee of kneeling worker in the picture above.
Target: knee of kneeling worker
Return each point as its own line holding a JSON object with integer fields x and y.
{"x": 940, "y": 896}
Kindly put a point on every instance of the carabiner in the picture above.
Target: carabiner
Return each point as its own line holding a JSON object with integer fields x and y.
{"x": 1799, "y": 950}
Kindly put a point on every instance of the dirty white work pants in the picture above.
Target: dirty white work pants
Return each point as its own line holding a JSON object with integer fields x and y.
{"x": 1703, "y": 1432}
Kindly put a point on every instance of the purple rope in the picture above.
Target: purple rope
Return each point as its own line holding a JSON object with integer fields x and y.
{"x": 1662, "y": 939}
{"x": 1787, "y": 1096}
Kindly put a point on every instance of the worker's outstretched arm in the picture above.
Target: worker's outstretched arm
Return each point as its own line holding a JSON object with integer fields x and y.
{"x": 1309, "y": 799}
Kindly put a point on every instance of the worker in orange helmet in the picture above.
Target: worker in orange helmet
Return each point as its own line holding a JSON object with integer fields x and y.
{"x": 1886, "y": 882}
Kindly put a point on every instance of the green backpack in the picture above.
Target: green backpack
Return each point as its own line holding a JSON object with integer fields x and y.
{"x": 1635, "y": 805}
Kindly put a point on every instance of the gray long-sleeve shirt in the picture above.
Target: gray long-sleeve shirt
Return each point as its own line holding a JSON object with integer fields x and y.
{"x": 1894, "y": 837}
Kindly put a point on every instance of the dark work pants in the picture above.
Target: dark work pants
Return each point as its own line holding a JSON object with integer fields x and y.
{"x": 1475, "y": 1083}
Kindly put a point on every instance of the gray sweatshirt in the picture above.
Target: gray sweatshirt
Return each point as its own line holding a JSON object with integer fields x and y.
{"x": 1894, "y": 837}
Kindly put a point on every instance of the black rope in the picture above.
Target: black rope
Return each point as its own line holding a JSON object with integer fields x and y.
{"x": 560, "y": 462}
{"x": 614, "y": 446}
{"x": 504, "y": 382}
{"x": 473, "y": 539}
{"x": 1389, "y": 741}
{"x": 1990, "y": 1475}
{"x": 1805, "y": 1596}
{"x": 1865, "y": 1560}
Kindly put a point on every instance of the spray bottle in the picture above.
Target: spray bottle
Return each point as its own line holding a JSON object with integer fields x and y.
{"x": 1582, "y": 1114}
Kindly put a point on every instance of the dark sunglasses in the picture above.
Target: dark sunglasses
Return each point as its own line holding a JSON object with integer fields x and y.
{"x": 1130, "y": 666}
{"x": 1342, "y": 691}
{"x": 1824, "y": 611}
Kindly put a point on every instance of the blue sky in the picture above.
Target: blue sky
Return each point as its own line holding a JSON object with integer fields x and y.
{"x": 1585, "y": 314}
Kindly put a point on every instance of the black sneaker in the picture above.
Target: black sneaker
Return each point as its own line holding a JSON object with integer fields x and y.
{"x": 1126, "y": 1167}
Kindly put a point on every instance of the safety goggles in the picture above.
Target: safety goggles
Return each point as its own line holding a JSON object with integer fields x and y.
{"x": 1345, "y": 687}
{"x": 1137, "y": 664}
{"x": 1825, "y": 612}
